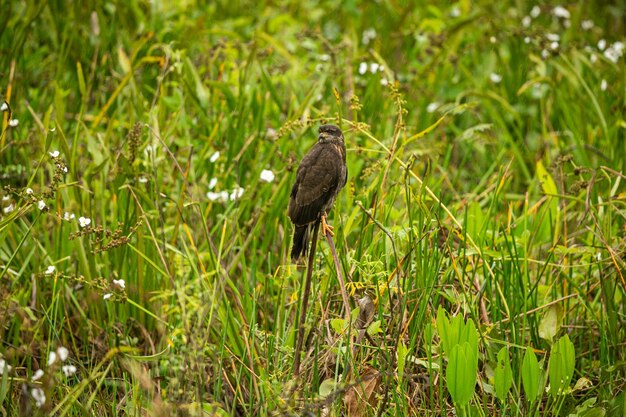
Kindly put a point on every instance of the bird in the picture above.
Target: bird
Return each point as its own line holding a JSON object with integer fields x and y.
{"x": 322, "y": 173}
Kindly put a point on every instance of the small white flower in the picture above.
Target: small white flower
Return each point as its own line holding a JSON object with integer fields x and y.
{"x": 41, "y": 205}
{"x": 495, "y": 78}
{"x": 120, "y": 283}
{"x": 553, "y": 37}
{"x": 5, "y": 198}
{"x": 237, "y": 192}
{"x": 493, "y": 39}
{"x": 267, "y": 175}
{"x": 38, "y": 374}
{"x": 39, "y": 396}
{"x": 8, "y": 209}
{"x": 560, "y": 11}
{"x": 4, "y": 107}
{"x": 601, "y": 44}
{"x": 432, "y": 107}
{"x": 319, "y": 68}
{"x": 212, "y": 196}
{"x": 362, "y": 68}
{"x": 545, "y": 54}
{"x": 384, "y": 81}
{"x": 271, "y": 133}
{"x": 535, "y": 11}
{"x": 612, "y": 55}
{"x": 143, "y": 180}
{"x": 368, "y": 35}
{"x": 527, "y": 39}
{"x": 603, "y": 85}
{"x": 68, "y": 370}
{"x": 29, "y": 191}
{"x": 455, "y": 12}
{"x": 593, "y": 58}
{"x": 212, "y": 183}
{"x": 64, "y": 169}
{"x": 526, "y": 21}
{"x": 54, "y": 154}
{"x": 68, "y": 216}
{"x": 52, "y": 358}
{"x": 4, "y": 366}
{"x": 554, "y": 45}
{"x": 587, "y": 24}
{"x": 63, "y": 353}
{"x": 50, "y": 270}
{"x": 107, "y": 296}
{"x": 84, "y": 221}
{"x": 14, "y": 122}
{"x": 374, "y": 67}
{"x": 324, "y": 57}
{"x": 214, "y": 157}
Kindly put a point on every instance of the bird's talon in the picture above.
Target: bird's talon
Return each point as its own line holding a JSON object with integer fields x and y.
{"x": 326, "y": 228}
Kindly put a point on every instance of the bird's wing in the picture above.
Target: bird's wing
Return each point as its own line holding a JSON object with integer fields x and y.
{"x": 316, "y": 181}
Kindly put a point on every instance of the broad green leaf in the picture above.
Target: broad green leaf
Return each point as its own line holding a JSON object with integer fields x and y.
{"x": 561, "y": 365}
{"x": 402, "y": 354}
{"x": 530, "y": 375}
{"x": 503, "y": 376}
{"x": 461, "y": 373}
{"x": 550, "y": 323}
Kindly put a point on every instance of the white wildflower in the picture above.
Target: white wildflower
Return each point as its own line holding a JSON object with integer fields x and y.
{"x": 50, "y": 270}
{"x": 41, "y": 205}
{"x": 39, "y": 396}
{"x": 14, "y": 122}
{"x": 4, "y": 106}
{"x": 593, "y": 58}
{"x": 54, "y": 154}
{"x": 553, "y": 37}
{"x": 324, "y": 57}
{"x": 432, "y": 107}
{"x": 614, "y": 52}
{"x": 455, "y": 12}
{"x": 143, "y": 180}
{"x": 107, "y": 296}
{"x": 362, "y": 68}
{"x": 535, "y": 11}
{"x": 8, "y": 209}
{"x": 374, "y": 67}
{"x": 587, "y": 24}
{"x": 63, "y": 353}
{"x": 84, "y": 221}
{"x": 236, "y": 194}
{"x": 368, "y": 35}
{"x": 69, "y": 370}
{"x": 212, "y": 183}
{"x": 495, "y": 78}
{"x": 601, "y": 44}
{"x": 5, "y": 198}
{"x": 29, "y": 191}
{"x": 52, "y": 358}
{"x": 267, "y": 175}
{"x": 271, "y": 133}
{"x": 527, "y": 39}
{"x": 120, "y": 283}
{"x": 526, "y": 21}
{"x": 38, "y": 374}
{"x": 554, "y": 45}
{"x": 214, "y": 157}
{"x": 4, "y": 366}
{"x": 560, "y": 11}
{"x": 603, "y": 85}
{"x": 493, "y": 39}
{"x": 68, "y": 216}
{"x": 545, "y": 54}
{"x": 384, "y": 81}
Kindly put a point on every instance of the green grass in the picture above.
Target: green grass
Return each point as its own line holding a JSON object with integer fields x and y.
{"x": 486, "y": 178}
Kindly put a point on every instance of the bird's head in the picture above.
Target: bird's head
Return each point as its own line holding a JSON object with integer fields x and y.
{"x": 330, "y": 133}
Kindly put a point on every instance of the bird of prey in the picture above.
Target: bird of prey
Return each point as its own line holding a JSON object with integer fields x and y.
{"x": 320, "y": 176}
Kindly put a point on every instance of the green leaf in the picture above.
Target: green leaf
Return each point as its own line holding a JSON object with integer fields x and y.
{"x": 550, "y": 323}
{"x": 561, "y": 365}
{"x": 402, "y": 354}
{"x": 503, "y": 375}
{"x": 530, "y": 375}
{"x": 461, "y": 373}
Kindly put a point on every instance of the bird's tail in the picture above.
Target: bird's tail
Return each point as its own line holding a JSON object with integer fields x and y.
{"x": 300, "y": 242}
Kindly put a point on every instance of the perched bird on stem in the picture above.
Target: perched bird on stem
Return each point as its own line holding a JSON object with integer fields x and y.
{"x": 321, "y": 175}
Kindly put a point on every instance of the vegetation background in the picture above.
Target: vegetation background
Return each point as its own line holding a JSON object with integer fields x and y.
{"x": 146, "y": 157}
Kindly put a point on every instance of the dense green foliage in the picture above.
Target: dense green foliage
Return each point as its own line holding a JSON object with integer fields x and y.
{"x": 146, "y": 169}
